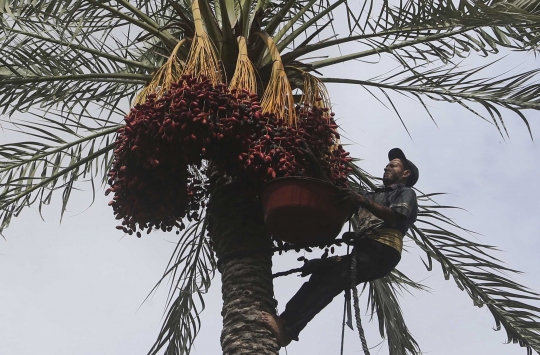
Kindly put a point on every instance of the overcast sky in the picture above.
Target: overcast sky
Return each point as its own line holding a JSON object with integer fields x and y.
{"x": 76, "y": 288}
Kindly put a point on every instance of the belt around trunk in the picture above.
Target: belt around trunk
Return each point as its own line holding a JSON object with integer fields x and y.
{"x": 389, "y": 236}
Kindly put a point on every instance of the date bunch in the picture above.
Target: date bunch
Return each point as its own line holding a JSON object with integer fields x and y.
{"x": 160, "y": 174}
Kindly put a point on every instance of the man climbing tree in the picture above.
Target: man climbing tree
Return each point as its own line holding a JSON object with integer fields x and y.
{"x": 384, "y": 217}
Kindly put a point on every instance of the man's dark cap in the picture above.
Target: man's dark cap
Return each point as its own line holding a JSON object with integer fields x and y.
{"x": 409, "y": 165}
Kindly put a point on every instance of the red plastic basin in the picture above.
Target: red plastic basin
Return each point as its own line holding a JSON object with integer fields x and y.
{"x": 303, "y": 211}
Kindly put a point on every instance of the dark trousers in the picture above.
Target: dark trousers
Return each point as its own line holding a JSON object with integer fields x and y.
{"x": 373, "y": 260}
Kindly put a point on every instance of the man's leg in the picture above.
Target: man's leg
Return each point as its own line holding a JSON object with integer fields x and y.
{"x": 374, "y": 260}
{"x": 309, "y": 300}
{"x": 313, "y": 297}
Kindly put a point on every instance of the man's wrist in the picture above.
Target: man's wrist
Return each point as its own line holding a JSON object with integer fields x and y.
{"x": 362, "y": 201}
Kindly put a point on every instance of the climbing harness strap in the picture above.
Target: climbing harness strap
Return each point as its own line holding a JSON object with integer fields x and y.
{"x": 343, "y": 326}
{"x": 346, "y": 310}
{"x": 388, "y": 236}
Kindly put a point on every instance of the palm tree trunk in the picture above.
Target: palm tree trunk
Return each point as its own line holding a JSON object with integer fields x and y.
{"x": 238, "y": 235}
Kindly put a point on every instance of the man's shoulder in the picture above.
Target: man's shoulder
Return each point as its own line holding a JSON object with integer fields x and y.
{"x": 401, "y": 193}
{"x": 399, "y": 188}
{"x": 406, "y": 193}
{"x": 406, "y": 189}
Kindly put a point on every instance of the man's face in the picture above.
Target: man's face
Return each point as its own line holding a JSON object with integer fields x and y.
{"x": 395, "y": 173}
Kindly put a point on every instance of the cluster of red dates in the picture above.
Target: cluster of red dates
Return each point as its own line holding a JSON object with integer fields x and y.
{"x": 163, "y": 153}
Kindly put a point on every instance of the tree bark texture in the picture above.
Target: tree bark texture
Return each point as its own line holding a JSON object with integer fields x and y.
{"x": 240, "y": 239}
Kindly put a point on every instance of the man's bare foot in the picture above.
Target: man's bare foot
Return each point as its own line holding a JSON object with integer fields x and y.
{"x": 275, "y": 325}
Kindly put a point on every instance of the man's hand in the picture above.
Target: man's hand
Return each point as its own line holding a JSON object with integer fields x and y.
{"x": 357, "y": 200}
{"x": 351, "y": 197}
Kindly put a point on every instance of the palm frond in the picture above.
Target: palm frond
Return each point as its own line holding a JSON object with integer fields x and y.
{"x": 108, "y": 37}
{"x": 47, "y": 67}
{"x": 31, "y": 171}
{"x": 68, "y": 92}
{"x": 484, "y": 280}
{"x": 513, "y": 24}
{"x": 191, "y": 270}
{"x": 383, "y": 298}
{"x": 436, "y": 30}
{"x": 101, "y": 51}
{"x": 92, "y": 15}
{"x": 516, "y": 93}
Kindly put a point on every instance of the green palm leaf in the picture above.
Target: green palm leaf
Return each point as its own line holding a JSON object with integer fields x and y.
{"x": 31, "y": 171}
{"x": 517, "y": 92}
{"x": 191, "y": 270}
{"x": 482, "y": 277}
{"x": 383, "y": 299}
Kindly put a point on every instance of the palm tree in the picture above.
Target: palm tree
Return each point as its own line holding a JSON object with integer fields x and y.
{"x": 76, "y": 66}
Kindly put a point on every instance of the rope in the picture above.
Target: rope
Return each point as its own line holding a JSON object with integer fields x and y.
{"x": 356, "y": 306}
{"x": 347, "y": 298}
{"x": 343, "y": 325}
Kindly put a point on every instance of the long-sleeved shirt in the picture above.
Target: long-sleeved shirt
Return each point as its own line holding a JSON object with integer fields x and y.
{"x": 401, "y": 200}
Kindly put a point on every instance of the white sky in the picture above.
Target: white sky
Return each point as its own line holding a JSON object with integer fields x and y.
{"x": 76, "y": 288}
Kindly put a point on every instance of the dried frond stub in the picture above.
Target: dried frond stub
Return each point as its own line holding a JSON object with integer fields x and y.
{"x": 202, "y": 59}
{"x": 164, "y": 77}
{"x": 244, "y": 77}
{"x": 278, "y": 97}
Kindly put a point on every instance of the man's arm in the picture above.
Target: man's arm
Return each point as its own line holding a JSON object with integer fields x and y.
{"x": 380, "y": 211}
{"x": 357, "y": 200}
